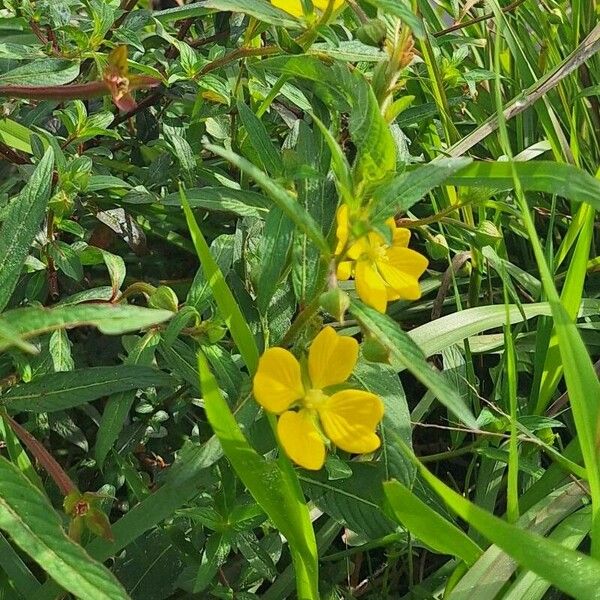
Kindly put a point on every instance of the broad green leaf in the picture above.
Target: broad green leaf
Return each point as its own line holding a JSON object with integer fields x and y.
{"x": 383, "y": 380}
{"x": 372, "y": 137}
{"x": 450, "y": 329}
{"x": 118, "y": 406}
{"x": 31, "y": 522}
{"x": 230, "y": 311}
{"x": 405, "y": 190}
{"x": 569, "y": 533}
{"x": 112, "y": 319}
{"x": 22, "y": 222}
{"x": 274, "y": 250}
{"x": 561, "y": 179}
{"x": 495, "y": 568}
{"x": 572, "y": 572}
{"x": 43, "y": 72}
{"x": 406, "y": 354}
{"x": 18, "y": 572}
{"x": 222, "y": 199}
{"x": 281, "y": 197}
{"x": 260, "y": 142}
{"x": 428, "y": 525}
{"x": 403, "y": 10}
{"x": 273, "y": 486}
{"x": 356, "y": 500}
{"x": 12, "y": 337}
{"x": 15, "y": 135}
{"x": 58, "y": 391}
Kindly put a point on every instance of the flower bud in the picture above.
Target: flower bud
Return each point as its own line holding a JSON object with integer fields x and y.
{"x": 488, "y": 234}
{"x": 374, "y": 351}
{"x": 437, "y": 247}
{"x": 164, "y": 297}
{"x": 372, "y": 33}
{"x": 335, "y": 302}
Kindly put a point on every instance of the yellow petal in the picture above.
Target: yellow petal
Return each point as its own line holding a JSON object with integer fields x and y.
{"x": 344, "y": 270}
{"x": 331, "y": 358}
{"x": 401, "y": 237}
{"x": 401, "y": 272}
{"x": 401, "y": 284}
{"x": 407, "y": 260}
{"x": 358, "y": 248}
{"x": 278, "y": 382}
{"x": 301, "y": 440}
{"x": 341, "y": 231}
{"x": 349, "y": 419}
{"x": 293, "y": 7}
{"x": 370, "y": 287}
{"x": 322, "y": 4}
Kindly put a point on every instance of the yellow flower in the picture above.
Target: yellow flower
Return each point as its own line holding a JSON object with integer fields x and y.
{"x": 382, "y": 272}
{"x": 308, "y": 411}
{"x": 294, "y": 7}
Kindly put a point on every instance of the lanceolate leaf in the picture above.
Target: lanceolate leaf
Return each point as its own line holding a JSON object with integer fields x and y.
{"x": 280, "y": 197}
{"x": 112, "y": 319}
{"x": 273, "y": 486}
{"x": 406, "y": 354}
{"x": 405, "y": 190}
{"x": 428, "y": 525}
{"x": 58, "y": 391}
{"x": 561, "y": 179}
{"x": 31, "y": 522}
{"x": 22, "y": 223}
{"x": 572, "y": 572}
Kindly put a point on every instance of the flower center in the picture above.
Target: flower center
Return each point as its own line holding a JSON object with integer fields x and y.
{"x": 375, "y": 252}
{"x": 314, "y": 398}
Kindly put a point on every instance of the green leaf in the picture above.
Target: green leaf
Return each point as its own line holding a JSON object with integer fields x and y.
{"x": 405, "y": 190}
{"x": 29, "y": 519}
{"x": 22, "y": 222}
{"x": 403, "y": 10}
{"x": 260, "y": 142}
{"x": 273, "y": 485}
{"x": 222, "y": 199}
{"x": 58, "y": 391}
{"x": 43, "y": 72}
{"x": 230, "y": 311}
{"x": 428, "y": 525}
{"x": 274, "y": 250}
{"x": 383, "y": 380}
{"x": 494, "y": 568}
{"x": 282, "y": 198}
{"x": 406, "y": 354}
{"x": 574, "y": 573}
{"x": 450, "y": 329}
{"x": 561, "y": 179}
{"x": 15, "y": 135}
{"x": 372, "y": 136}
{"x": 112, "y": 319}
{"x": 118, "y": 406}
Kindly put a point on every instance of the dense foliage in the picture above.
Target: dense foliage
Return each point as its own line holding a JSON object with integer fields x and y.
{"x": 298, "y": 299}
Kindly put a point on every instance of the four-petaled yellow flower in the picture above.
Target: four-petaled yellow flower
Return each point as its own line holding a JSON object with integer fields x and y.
{"x": 382, "y": 272}
{"x": 294, "y": 7}
{"x": 309, "y": 409}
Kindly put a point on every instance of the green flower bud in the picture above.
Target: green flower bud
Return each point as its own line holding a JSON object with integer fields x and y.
{"x": 437, "y": 247}
{"x": 164, "y": 297}
{"x": 335, "y": 302}
{"x": 372, "y": 33}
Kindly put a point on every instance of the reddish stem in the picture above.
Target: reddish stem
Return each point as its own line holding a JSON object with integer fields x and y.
{"x": 51, "y": 466}
{"x": 56, "y": 92}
